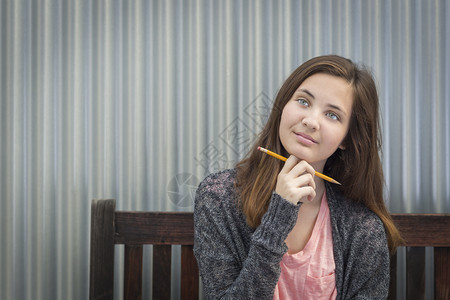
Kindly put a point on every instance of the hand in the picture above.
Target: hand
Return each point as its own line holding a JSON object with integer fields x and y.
{"x": 295, "y": 181}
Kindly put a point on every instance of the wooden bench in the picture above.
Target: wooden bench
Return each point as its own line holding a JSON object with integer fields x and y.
{"x": 135, "y": 229}
{"x": 164, "y": 229}
{"x": 420, "y": 231}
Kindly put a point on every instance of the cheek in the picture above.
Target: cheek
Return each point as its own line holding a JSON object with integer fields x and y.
{"x": 337, "y": 138}
{"x": 284, "y": 125}
{"x": 282, "y": 129}
{"x": 287, "y": 116}
{"x": 283, "y": 120}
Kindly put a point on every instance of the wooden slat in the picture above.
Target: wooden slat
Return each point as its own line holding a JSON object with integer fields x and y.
{"x": 424, "y": 230}
{"x": 415, "y": 273}
{"x": 133, "y": 272}
{"x": 442, "y": 273}
{"x": 189, "y": 274}
{"x": 101, "y": 281}
{"x": 162, "y": 261}
{"x": 154, "y": 228}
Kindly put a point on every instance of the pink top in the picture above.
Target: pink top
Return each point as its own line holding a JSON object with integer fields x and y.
{"x": 309, "y": 274}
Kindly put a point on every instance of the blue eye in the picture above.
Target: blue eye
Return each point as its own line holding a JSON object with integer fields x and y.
{"x": 303, "y": 101}
{"x": 332, "y": 116}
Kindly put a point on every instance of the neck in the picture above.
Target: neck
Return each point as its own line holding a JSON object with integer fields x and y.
{"x": 318, "y": 166}
{"x": 320, "y": 189}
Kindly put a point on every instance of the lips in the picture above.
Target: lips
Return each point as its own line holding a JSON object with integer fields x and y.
{"x": 305, "y": 139}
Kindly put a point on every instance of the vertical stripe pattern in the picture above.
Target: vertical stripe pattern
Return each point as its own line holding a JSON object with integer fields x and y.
{"x": 139, "y": 100}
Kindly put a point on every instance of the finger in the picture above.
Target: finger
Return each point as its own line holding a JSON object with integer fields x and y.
{"x": 295, "y": 189}
{"x": 305, "y": 194}
{"x": 306, "y": 179}
{"x": 301, "y": 168}
{"x": 290, "y": 163}
{"x": 311, "y": 193}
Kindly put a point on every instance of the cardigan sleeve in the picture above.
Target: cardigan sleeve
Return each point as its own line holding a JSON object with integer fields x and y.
{"x": 234, "y": 264}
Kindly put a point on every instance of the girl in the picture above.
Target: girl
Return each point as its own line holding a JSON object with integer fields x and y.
{"x": 272, "y": 230}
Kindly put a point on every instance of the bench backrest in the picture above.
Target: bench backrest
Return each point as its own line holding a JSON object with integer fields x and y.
{"x": 135, "y": 229}
{"x": 420, "y": 231}
{"x": 164, "y": 229}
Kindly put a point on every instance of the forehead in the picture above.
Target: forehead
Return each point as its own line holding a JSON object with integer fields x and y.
{"x": 328, "y": 88}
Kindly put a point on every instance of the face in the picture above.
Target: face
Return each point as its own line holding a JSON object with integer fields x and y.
{"x": 315, "y": 121}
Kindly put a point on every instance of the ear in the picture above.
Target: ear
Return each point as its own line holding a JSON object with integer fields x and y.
{"x": 342, "y": 147}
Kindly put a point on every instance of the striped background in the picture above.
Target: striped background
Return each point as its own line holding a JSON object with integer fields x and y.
{"x": 139, "y": 100}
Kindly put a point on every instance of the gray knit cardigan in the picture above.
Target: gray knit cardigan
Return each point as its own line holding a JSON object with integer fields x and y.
{"x": 238, "y": 262}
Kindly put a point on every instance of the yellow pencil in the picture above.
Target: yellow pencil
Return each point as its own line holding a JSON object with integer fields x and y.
{"x": 324, "y": 177}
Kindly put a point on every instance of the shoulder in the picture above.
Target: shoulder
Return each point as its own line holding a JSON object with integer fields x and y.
{"x": 219, "y": 180}
{"x": 217, "y": 189}
{"x": 219, "y": 184}
{"x": 216, "y": 208}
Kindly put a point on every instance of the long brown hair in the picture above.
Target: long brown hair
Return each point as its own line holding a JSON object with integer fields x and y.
{"x": 358, "y": 167}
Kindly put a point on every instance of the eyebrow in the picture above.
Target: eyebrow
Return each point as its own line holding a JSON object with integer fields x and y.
{"x": 329, "y": 105}
{"x": 307, "y": 92}
{"x": 337, "y": 108}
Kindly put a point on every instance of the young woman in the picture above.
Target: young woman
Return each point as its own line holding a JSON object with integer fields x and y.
{"x": 270, "y": 229}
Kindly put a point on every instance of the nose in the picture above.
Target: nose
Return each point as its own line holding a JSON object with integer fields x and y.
{"x": 311, "y": 123}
